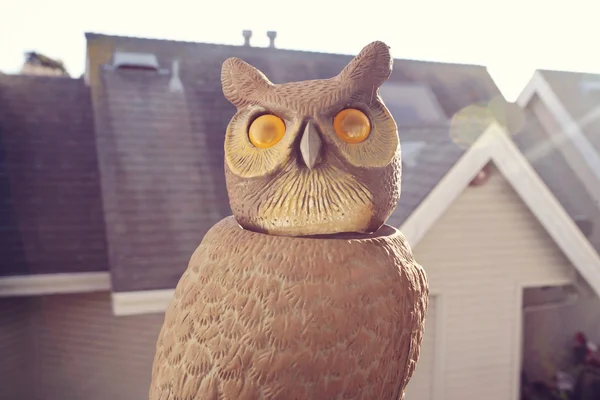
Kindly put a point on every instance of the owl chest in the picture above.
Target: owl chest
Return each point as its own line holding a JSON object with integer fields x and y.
{"x": 307, "y": 320}
{"x": 294, "y": 297}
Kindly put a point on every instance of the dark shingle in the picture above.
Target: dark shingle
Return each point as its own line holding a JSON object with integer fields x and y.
{"x": 51, "y": 217}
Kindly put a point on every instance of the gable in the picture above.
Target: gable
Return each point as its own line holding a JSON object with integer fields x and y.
{"x": 489, "y": 233}
{"x": 495, "y": 145}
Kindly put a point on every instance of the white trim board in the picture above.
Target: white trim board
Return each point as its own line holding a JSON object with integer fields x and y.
{"x": 48, "y": 284}
{"x": 495, "y": 146}
{"x": 141, "y": 302}
{"x": 569, "y": 126}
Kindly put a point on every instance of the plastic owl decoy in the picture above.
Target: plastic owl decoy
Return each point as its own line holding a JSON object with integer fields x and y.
{"x": 304, "y": 293}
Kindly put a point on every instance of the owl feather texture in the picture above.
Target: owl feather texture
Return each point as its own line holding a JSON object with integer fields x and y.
{"x": 304, "y": 293}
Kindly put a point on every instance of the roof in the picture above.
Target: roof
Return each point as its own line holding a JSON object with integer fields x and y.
{"x": 51, "y": 217}
{"x": 550, "y": 164}
{"x": 581, "y": 102}
{"x": 159, "y": 204}
{"x": 566, "y": 98}
{"x": 433, "y": 160}
{"x": 455, "y": 85}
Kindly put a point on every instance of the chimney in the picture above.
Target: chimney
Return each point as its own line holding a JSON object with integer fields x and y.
{"x": 175, "y": 84}
{"x": 271, "y": 35}
{"x": 247, "y": 36}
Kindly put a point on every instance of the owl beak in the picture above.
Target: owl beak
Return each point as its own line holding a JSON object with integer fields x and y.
{"x": 310, "y": 145}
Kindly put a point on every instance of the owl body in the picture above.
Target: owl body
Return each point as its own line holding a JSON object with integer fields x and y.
{"x": 303, "y": 293}
{"x": 260, "y": 316}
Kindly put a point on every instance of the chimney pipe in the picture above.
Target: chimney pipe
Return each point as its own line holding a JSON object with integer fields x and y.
{"x": 272, "y": 35}
{"x": 247, "y": 36}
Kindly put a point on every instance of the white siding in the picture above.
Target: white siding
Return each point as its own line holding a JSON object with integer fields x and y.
{"x": 478, "y": 256}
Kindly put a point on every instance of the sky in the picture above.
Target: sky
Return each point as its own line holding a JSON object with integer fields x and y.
{"x": 512, "y": 38}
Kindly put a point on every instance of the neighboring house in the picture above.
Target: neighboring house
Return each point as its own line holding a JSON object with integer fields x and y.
{"x": 562, "y": 142}
{"x": 110, "y": 182}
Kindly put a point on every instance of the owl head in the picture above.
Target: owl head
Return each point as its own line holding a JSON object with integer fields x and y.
{"x": 315, "y": 157}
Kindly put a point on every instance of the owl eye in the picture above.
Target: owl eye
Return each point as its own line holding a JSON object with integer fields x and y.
{"x": 266, "y": 131}
{"x": 352, "y": 125}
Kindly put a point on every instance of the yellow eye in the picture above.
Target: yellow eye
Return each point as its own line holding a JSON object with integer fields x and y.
{"x": 352, "y": 125}
{"x": 266, "y": 131}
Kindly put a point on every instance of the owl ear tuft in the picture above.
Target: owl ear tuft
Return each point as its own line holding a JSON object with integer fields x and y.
{"x": 241, "y": 81}
{"x": 370, "y": 68}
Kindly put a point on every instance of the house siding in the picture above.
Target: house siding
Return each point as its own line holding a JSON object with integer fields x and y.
{"x": 73, "y": 347}
{"x": 85, "y": 352}
{"x": 479, "y": 256}
{"x": 14, "y": 348}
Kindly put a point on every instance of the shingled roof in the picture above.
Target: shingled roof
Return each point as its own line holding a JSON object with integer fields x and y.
{"x": 551, "y": 166}
{"x": 51, "y": 216}
{"x": 579, "y": 93}
{"x": 149, "y": 165}
{"x": 161, "y": 148}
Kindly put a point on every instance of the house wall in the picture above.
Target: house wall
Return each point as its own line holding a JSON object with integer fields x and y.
{"x": 478, "y": 257}
{"x": 85, "y": 352}
{"x": 14, "y": 348}
{"x": 73, "y": 347}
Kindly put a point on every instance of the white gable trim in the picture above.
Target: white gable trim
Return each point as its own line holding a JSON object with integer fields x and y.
{"x": 495, "y": 145}
{"x": 48, "y": 284}
{"x": 569, "y": 126}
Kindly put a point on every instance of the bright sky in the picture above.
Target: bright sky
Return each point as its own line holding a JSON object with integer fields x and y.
{"x": 511, "y": 37}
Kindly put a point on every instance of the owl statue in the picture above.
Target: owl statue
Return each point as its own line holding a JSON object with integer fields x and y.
{"x": 304, "y": 293}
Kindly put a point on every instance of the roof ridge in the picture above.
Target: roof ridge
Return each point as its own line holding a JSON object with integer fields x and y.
{"x": 93, "y": 35}
{"x": 52, "y": 78}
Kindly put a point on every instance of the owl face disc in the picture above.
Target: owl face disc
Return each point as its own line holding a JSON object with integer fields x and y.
{"x": 312, "y": 157}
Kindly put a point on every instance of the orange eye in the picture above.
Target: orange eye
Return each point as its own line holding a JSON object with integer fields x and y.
{"x": 266, "y": 131}
{"x": 352, "y": 125}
